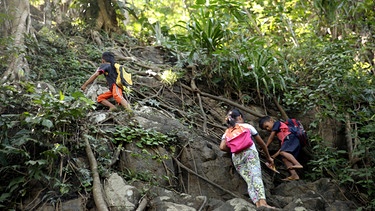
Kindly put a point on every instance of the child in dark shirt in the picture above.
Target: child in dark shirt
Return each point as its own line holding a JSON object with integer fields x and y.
{"x": 290, "y": 145}
{"x": 108, "y": 69}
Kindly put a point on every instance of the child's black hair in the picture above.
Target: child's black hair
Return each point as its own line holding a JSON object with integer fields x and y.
{"x": 264, "y": 120}
{"x": 109, "y": 57}
{"x": 232, "y": 115}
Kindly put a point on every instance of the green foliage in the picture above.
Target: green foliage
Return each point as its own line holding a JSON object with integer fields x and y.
{"x": 88, "y": 9}
{"x": 206, "y": 30}
{"x": 154, "y": 20}
{"x": 231, "y": 52}
{"x": 330, "y": 162}
{"x": 143, "y": 137}
{"x": 55, "y": 59}
{"x": 329, "y": 66}
{"x": 32, "y": 138}
{"x": 217, "y": 36}
{"x": 250, "y": 66}
{"x": 7, "y": 50}
{"x": 311, "y": 54}
{"x": 338, "y": 14}
{"x": 132, "y": 176}
{"x": 333, "y": 163}
{"x": 340, "y": 89}
{"x": 169, "y": 77}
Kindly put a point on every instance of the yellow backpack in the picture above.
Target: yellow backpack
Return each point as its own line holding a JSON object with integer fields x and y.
{"x": 124, "y": 79}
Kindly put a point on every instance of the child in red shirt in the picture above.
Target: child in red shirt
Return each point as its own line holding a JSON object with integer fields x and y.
{"x": 290, "y": 144}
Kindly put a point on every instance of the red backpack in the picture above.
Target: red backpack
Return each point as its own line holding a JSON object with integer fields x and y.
{"x": 238, "y": 138}
{"x": 296, "y": 127}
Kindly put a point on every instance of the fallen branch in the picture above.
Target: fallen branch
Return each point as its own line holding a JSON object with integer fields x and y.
{"x": 97, "y": 186}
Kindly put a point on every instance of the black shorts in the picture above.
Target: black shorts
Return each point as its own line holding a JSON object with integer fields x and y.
{"x": 291, "y": 144}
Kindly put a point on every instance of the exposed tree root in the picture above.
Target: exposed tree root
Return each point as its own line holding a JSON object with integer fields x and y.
{"x": 115, "y": 156}
{"x": 34, "y": 203}
{"x": 205, "y": 179}
{"x": 142, "y": 204}
{"x": 197, "y": 91}
{"x": 97, "y": 186}
{"x": 282, "y": 111}
{"x": 203, "y": 204}
{"x": 230, "y": 102}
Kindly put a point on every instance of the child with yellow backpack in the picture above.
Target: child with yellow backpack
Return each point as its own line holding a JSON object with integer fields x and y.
{"x": 108, "y": 69}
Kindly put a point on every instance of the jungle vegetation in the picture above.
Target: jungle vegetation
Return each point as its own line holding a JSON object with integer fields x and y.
{"x": 306, "y": 55}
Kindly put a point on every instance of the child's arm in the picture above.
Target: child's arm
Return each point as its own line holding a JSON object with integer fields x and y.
{"x": 90, "y": 80}
{"x": 261, "y": 143}
{"x": 271, "y": 137}
{"x": 276, "y": 154}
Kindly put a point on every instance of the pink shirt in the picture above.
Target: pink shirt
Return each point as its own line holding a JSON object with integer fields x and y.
{"x": 284, "y": 132}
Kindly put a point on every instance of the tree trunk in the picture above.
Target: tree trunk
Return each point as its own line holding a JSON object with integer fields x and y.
{"x": 122, "y": 6}
{"x": 60, "y": 8}
{"x": 48, "y": 13}
{"x": 19, "y": 13}
{"x": 348, "y": 135}
{"x": 107, "y": 16}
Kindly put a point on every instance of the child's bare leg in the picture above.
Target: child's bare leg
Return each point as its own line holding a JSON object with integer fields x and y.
{"x": 287, "y": 163}
{"x": 108, "y": 104}
{"x": 291, "y": 159}
{"x": 125, "y": 104}
{"x": 117, "y": 94}
{"x": 293, "y": 173}
{"x": 263, "y": 203}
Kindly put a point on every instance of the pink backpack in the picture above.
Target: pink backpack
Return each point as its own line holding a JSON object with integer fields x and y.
{"x": 238, "y": 138}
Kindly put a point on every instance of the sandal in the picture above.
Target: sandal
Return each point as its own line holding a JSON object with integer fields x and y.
{"x": 272, "y": 167}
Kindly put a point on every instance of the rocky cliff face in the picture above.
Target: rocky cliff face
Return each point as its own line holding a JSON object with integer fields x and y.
{"x": 196, "y": 175}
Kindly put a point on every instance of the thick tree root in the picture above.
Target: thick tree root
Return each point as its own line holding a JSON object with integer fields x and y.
{"x": 97, "y": 186}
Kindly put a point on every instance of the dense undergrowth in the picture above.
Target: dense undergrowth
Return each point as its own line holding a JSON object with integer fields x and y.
{"x": 38, "y": 125}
